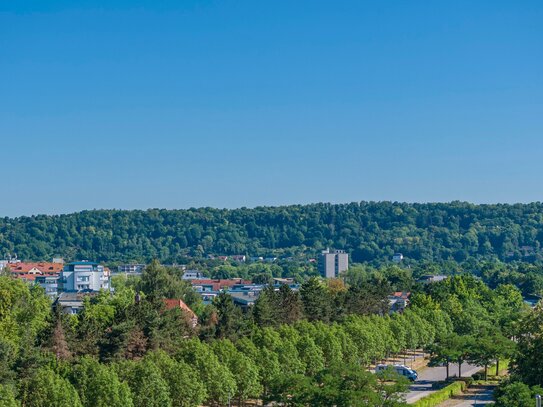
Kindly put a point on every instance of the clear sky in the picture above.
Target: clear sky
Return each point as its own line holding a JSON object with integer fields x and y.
{"x": 174, "y": 104}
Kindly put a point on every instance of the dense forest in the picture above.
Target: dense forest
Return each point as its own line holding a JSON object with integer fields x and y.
{"x": 370, "y": 231}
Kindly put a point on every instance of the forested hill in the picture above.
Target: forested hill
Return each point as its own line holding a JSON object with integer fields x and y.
{"x": 370, "y": 231}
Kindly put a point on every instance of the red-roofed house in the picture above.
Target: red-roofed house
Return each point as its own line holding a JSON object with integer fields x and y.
{"x": 172, "y": 303}
{"x": 206, "y": 285}
{"x": 399, "y": 301}
{"x": 41, "y": 268}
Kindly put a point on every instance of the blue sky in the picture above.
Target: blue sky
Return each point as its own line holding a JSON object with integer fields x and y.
{"x": 174, "y": 104}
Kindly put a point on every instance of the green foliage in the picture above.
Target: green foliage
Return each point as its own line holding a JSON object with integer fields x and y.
{"x": 46, "y": 388}
{"x": 316, "y": 300}
{"x": 526, "y": 363}
{"x": 229, "y": 318}
{"x": 243, "y": 368}
{"x": 149, "y": 389}
{"x": 516, "y": 394}
{"x": 341, "y": 386}
{"x": 308, "y": 348}
{"x": 441, "y": 395}
{"x": 372, "y": 231}
{"x": 186, "y": 390}
{"x": 219, "y": 381}
{"x": 24, "y": 311}
{"x": 158, "y": 282}
{"x": 7, "y": 397}
{"x": 98, "y": 385}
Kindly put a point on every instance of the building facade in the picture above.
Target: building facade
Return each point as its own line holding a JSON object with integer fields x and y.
{"x": 84, "y": 276}
{"x": 131, "y": 268}
{"x": 49, "y": 284}
{"x": 332, "y": 263}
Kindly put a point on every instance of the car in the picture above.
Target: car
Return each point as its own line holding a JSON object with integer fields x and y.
{"x": 402, "y": 370}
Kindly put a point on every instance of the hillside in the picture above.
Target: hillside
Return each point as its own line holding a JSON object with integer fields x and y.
{"x": 370, "y": 231}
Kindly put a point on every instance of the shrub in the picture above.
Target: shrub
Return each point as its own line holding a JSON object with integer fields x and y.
{"x": 440, "y": 396}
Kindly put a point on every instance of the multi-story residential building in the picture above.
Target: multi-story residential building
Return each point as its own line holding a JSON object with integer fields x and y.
{"x": 84, "y": 276}
{"x": 72, "y": 302}
{"x": 332, "y": 263}
{"x": 192, "y": 275}
{"x": 41, "y": 268}
{"x": 243, "y": 292}
{"x": 49, "y": 284}
{"x": 46, "y": 274}
{"x": 131, "y": 268}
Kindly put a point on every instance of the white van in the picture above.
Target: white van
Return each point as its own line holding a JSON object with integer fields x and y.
{"x": 402, "y": 370}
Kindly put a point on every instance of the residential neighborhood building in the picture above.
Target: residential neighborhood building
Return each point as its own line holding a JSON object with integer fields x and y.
{"x": 397, "y": 258}
{"x": 84, "y": 276}
{"x": 192, "y": 275}
{"x": 72, "y": 302}
{"x": 398, "y": 301}
{"x": 332, "y": 263}
{"x": 172, "y": 303}
{"x": 432, "y": 279}
{"x": 243, "y": 292}
{"x": 131, "y": 268}
{"x": 46, "y": 274}
{"x": 209, "y": 285}
{"x": 37, "y": 268}
{"x": 49, "y": 284}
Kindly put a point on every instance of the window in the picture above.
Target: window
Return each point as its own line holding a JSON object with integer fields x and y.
{"x": 83, "y": 278}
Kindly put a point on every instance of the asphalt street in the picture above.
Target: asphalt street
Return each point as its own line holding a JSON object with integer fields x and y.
{"x": 430, "y": 375}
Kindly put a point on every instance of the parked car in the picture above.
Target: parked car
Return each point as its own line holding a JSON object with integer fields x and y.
{"x": 402, "y": 370}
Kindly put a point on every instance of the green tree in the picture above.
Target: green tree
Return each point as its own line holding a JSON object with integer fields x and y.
{"x": 452, "y": 348}
{"x": 489, "y": 348}
{"x": 46, "y": 388}
{"x": 310, "y": 354}
{"x": 290, "y": 306}
{"x": 219, "y": 381}
{"x": 229, "y": 317}
{"x": 149, "y": 389}
{"x": 244, "y": 370}
{"x": 316, "y": 300}
{"x": 98, "y": 385}
{"x": 186, "y": 389}
{"x": 7, "y": 397}
{"x": 266, "y": 308}
{"x": 526, "y": 364}
{"x": 516, "y": 394}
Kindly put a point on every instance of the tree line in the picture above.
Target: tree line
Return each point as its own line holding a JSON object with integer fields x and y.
{"x": 526, "y": 379}
{"x": 370, "y": 231}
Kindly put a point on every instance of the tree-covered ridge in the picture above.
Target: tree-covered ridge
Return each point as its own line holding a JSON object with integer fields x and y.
{"x": 370, "y": 231}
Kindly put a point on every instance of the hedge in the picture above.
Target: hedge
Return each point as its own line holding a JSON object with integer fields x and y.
{"x": 440, "y": 396}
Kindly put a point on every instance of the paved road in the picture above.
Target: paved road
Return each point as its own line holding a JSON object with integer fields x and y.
{"x": 429, "y": 375}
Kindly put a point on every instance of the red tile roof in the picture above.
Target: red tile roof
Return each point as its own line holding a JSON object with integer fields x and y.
{"x": 43, "y": 267}
{"x": 218, "y": 284}
{"x": 172, "y": 303}
{"x": 402, "y": 294}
